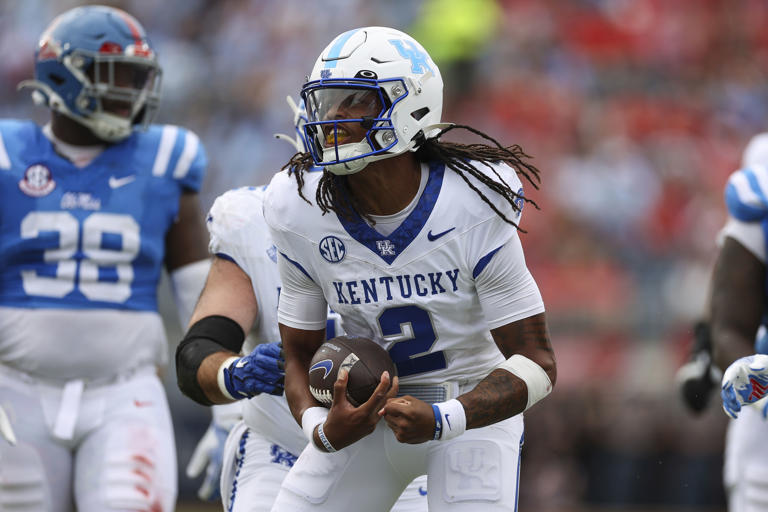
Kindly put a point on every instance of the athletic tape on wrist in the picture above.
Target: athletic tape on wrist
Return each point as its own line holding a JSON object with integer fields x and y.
{"x": 324, "y": 440}
{"x": 311, "y": 418}
{"x": 220, "y": 377}
{"x": 535, "y": 378}
{"x": 453, "y": 419}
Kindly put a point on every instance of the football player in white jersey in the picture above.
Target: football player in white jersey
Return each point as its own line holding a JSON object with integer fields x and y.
{"x": 738, "y": 318}
{"x": 94, "y": 204}
{"x": 241, "y": 295}
{"x": 414, "y": 242}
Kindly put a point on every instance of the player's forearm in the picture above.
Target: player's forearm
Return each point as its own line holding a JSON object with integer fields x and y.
{"x": 208, "y": 343}
{"x": 497, "y": 397}
{"x": 299, "y": 346}
{"x": 729, "y": 344}
{"x": 207, "y": 376}
{"x": 526, "y": 377}
{"x": 297, "y": 389}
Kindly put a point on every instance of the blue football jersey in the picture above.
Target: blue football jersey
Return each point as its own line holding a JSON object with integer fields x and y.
{"x": 92, "y": 237}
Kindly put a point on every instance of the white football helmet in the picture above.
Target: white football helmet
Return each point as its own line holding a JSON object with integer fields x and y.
{"x": 373, "y": 80}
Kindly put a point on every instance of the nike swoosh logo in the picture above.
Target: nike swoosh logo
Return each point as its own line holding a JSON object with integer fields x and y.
{"x": 432, "y": 237}
{"x": 325, "y": 364}
{"x": 422, "y": 491}
{"x": 138, "y": 403}
{"x": 121, "y": 182}
{"x": 241, "y": 363}
{"x": 448, "y": 421}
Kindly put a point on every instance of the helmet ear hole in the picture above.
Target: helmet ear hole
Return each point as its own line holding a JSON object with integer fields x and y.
{"x": 418, "y": 114}
{"x": 56, "y": 79}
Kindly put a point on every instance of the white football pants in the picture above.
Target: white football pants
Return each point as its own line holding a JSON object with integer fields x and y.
{"x": 477, "y": 471}
{"x": 103, "y": 448}
{"x": 746, "y": 461}
{"x": 253, "y": 469}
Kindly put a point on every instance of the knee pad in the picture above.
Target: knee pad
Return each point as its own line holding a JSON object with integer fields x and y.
{"x": 473, "y": 471}
{"x": 23, "y": 484}
{"x": 129, "y": 482}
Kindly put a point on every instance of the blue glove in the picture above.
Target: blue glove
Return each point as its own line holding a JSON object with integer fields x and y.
{"x": 261, "y": 371}
{"x": 744, "y": 382}
{"x": 209, "y": 452}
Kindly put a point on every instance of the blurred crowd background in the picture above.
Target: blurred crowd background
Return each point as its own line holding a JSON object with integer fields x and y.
{"x": 636, "y": 111}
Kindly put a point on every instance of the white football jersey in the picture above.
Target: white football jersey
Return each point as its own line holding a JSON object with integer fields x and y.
{"x": 429, "y": 292}
{"x": 238, "y": 233}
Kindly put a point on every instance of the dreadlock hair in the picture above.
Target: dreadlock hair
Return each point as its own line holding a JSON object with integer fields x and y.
{"x": 333, "y": 194}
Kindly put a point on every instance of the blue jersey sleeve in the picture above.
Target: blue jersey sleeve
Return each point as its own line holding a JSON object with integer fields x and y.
{"x": 194, "y": 177}
{"x": 177, "y": 154}
{"x": 191, "y": 161}
{"x": 746, "y": 194}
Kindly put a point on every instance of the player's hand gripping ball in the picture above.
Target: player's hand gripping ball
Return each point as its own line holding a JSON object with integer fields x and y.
{"x": 363, "y": 358}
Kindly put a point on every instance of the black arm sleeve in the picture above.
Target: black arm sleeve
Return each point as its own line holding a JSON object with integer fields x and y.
{"x": 207, "y": 336}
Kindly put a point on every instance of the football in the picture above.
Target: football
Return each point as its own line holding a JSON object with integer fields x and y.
{"x": 364, "y": 359}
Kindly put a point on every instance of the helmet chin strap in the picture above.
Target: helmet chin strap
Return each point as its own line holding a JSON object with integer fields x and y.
{"x": 108, "y": 127}
{"x": 353, "y": 166}
{"x": 434, "y": 128}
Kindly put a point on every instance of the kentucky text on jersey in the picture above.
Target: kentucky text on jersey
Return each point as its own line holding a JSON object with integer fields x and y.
{"x": 387, "y": 288}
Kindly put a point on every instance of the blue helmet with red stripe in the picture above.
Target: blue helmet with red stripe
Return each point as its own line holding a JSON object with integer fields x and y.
{"x": 95, "y": 65}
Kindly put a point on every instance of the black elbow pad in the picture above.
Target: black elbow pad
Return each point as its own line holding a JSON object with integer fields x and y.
{"x": 207, "y": 336}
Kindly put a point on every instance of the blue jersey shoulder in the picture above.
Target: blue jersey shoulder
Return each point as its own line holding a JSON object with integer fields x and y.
{"x": 177, "y": 154}
{"x": 17, "y": 137}
{"x": 166, "y": 151}
{"x": 746, "y": 194}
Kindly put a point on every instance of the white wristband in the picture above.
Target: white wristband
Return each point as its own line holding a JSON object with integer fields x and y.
{"x": 310, "y": 419}
{"x": 452, "y": 419}
{"x": 328, "y": 446}
{"x": 535, "y": 378}
{"x": 220, "y": 377}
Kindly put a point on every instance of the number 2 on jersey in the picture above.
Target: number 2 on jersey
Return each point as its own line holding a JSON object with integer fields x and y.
{"x": 108, "y": 240}
{"x": 410, "y": 327}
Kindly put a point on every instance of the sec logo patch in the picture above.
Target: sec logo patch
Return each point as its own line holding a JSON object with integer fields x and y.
{"x": 37, "y": 181}
{"x": 332, "y": 249}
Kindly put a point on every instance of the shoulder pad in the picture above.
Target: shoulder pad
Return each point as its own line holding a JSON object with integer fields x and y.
{"x": 745, "y": 194}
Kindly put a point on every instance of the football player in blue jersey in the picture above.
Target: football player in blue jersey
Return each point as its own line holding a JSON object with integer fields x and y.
{"x": 738, "y": 318}
{"x": 253, "y": 441}
{"x": 414, "y": 242}
{"x": 94, "y": 204}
